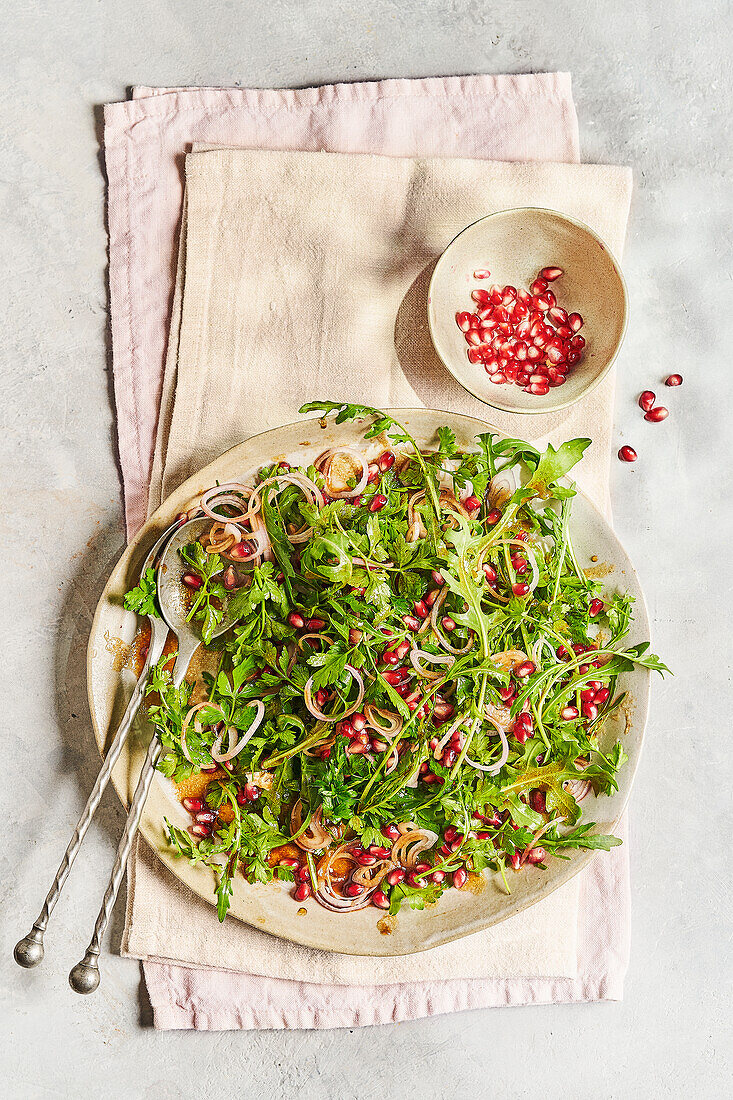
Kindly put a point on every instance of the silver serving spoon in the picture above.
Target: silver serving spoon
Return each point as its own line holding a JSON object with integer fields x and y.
{"x": 29, "y": 951}
{"x": 172, "y": 599}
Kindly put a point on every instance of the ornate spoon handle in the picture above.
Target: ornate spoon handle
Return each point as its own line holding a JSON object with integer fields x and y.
{"x": 29, "y": 951}
{"x": 84, "y": 977}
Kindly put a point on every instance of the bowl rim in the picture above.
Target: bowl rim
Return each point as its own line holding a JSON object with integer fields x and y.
{"x": 558, "y": 405}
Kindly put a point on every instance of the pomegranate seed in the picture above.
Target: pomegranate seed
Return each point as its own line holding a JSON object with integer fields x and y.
{"x": 201, "y": 831}
{"x": 577, "y": 342}
{"x": 575, "y": 321}
{"x": 302, "y": 891}
{"x": 463, "y": 320}
{"x": 240, "y": 552}
{"x": 472, "y": 503}
{"x": 366, "y": 860}
{"x": 513, "y": 861}
{"x": 296, "y": 620}
{"x": 373, "y": 473}
{"x": 490, "y": 573}
{"x": 673, "y": 380}
{"x": 589, "y": 711}
{"x": 538, "y": 801}
{"x": 355, "y": 748}
{"x": 450, "y": 833}
{"x": 206, "y": 817}
{"x": 480, "y": 296}
{"x": 251, "y": 793}
{"x": 536, "y": 855}
{"x": 526, "y": 668}
{"x": 403, "y": 649}
{"x": 561, "y": 653}
{"x": 395, "y": 877}
{"x": 391, "y": 831}
{"x": 558, "y": 316}
{"x": 549, "y": 274}
{"x": 291, "y": 864}
{"x": 378, "y": 501}
{"x": 420, "y": 608}
{"x": 627, "y": 454}
{"x": 437, "y": 876}
{"x": 447, "y": 623}
{"x": 538, "y": 285}
{"x": 386, "y": 461}
{"x": 657, "y": 414}
{"x": 595, "y": 608}
{"x": 569, "y": 713}
{"x": 191, "y": 581}
{"x": 411, "y": 622}
{"x": 231, "y": 579}
{"x": 646, "y": 400}
{"x": 392, "y": 678}
{"x": 601, "y": 696}
{"x": 442, "y": 710}
{"x": 482, "y": 273}
{"x": 437, "y": 578}
{"x": 494, "y": 516}
{"x": 316, "y": 624}
{"x": 303, "y": 875}
{"x": 520, "y": 588}
{"x": 355, "y": 636}
{"x": 193, "y": 805}
{"x": 358, "y": 721}
{"x": 380, "y": 899}
{"x": 390, "y": 657}
{"x": 460, "y": 878}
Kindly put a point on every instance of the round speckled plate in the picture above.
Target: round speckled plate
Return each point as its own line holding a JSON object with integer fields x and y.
{"x": 270, "y": 907}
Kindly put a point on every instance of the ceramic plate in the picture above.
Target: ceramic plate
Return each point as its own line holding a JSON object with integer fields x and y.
{"x": 270, "y": 907}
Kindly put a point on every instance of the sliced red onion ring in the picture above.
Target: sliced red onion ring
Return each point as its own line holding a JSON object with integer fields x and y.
{"x": 197, "y": 725}
{"x": 236, "y": 746}
{"x": 327, "y": 458}
{"x": 317, "y": 713}
{"x": 224, "y": 495}
{"x": 493, "y": 769}
{"x": 431, "y": 658}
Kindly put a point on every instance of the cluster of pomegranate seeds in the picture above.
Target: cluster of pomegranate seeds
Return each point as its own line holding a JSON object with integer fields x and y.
{"x": 652, "y": 412}
{"x": 522, "y": 337}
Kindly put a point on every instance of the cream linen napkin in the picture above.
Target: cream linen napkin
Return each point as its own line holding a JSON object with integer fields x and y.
{"x": 349, "y": 242}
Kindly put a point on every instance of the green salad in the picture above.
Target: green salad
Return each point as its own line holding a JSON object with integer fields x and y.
{"x": 414, "y": 677}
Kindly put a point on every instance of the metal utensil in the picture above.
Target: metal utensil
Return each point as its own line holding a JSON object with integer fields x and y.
{"x": 172, "y": 600}
{"x": 29, "y": 951}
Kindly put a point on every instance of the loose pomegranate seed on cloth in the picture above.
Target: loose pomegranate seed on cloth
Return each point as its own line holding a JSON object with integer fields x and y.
{"x": 522, "y": 338}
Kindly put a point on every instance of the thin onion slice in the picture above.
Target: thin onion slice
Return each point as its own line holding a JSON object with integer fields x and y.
{"x": 229, "y": 495}
{"x": 371, "y": 713}
{"x": 434, "y": 612}
{"x": 431, "y": 658}
{"x": 493, "y": 769}
{"x": 236, "y": 747}
{"x": 197, "y": 725}
{"x": 319, "y": 714}
{"x": 324, "y": 462}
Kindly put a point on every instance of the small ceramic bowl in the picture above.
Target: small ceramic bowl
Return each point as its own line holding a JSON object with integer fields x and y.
{"x": 514, "y": 245}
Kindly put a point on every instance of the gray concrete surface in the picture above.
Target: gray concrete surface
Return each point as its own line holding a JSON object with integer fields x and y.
{"x": 652, "y": 84}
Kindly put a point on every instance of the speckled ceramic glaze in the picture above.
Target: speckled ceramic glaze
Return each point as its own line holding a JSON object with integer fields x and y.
{"x": 514, "y": 245}
{"x": 270, "y": 907}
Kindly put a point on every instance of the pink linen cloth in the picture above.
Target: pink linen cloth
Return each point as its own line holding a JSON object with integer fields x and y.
{"x": 510, "y": 118}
